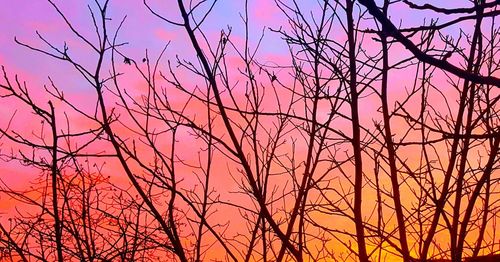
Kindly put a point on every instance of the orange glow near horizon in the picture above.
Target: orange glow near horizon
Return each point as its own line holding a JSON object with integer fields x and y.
{"x": 167, "y": 129}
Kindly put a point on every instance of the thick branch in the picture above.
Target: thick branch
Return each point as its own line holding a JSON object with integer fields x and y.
{"x": 392, "y": 31}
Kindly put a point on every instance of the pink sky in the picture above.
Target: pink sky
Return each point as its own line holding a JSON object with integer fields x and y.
{"x": 144, "y": 31}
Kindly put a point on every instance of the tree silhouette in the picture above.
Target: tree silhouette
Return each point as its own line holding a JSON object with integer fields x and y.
{"x": 374, "y": 139}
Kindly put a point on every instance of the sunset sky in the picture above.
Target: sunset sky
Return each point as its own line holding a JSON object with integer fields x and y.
{"x": 275, "y": 77}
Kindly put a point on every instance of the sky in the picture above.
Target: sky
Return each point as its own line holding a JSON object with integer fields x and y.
{"x": 143, "y": 32}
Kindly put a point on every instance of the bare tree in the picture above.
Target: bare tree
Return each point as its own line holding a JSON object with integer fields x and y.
{"x": 223, "y": 154}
